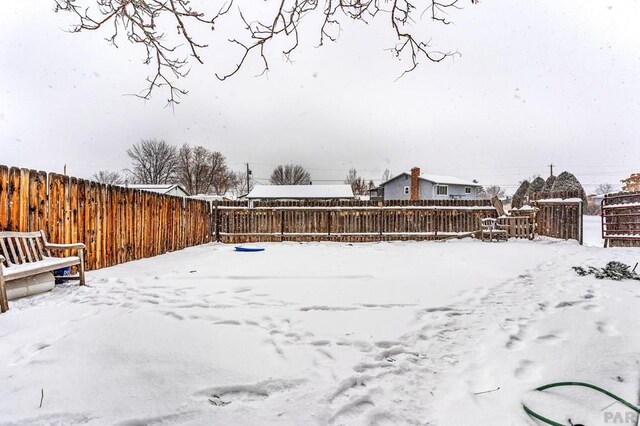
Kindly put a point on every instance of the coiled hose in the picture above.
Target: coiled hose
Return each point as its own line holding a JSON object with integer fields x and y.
{"x": 537, "y": 416}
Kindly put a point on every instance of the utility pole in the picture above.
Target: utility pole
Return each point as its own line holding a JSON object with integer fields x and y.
{"x": 64, "y": 172}
{"x": 551, "y": 169}
{"x": 248, "y": 178}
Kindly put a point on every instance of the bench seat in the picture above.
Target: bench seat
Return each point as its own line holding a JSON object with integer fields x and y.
{"x": 47, "y": 264}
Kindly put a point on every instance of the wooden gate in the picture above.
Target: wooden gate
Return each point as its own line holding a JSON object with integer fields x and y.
{"x": 621, "y": 219}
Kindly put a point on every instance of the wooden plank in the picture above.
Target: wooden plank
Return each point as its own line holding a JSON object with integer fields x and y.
{"x": 91, "y": 225}
{"x": 23, "y": 224}
{"x": 66, "y": 239}
{"x": 42, "y": 212}
{"x": 4, "y": 198}
{"x": 14, "y": 199}
{"x": 73, "y": 212}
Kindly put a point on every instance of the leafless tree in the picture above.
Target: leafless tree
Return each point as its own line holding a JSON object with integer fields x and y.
{"x": 202, "y": 171}
{"x": 290, "y": 175}
{"x": 492, "y": 191}
{"x": 222, "y": 179}
{"x": 358, "y": 184}
{"x": 108, "y": 177}
{"x": 386, "y": 175}
{"x": 194, "y": 170}
{"x": 164, "y": 29}
{"x": 153, "y": 162}
{"x": 604, "y": 188}
{"x": 240, "y": 187}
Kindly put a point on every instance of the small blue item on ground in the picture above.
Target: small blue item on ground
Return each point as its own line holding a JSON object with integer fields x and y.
{"x": 62, "y": 272}
{"x": 249, "y": 248}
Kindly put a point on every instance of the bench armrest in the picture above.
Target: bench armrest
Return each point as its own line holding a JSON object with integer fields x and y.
{"x": 64, "y": 246}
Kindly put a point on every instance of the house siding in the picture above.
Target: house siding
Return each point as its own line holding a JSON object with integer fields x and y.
{"x": 394, "y": 190}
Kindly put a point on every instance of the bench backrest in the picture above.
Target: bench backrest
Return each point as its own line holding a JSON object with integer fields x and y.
{"x": 488, "y": 223}
{"x": 22, "y": 247}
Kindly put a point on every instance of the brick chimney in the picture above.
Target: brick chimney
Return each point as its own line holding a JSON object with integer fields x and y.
{"x": 415, "y": 184}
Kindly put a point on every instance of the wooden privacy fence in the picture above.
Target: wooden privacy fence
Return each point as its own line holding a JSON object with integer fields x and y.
{"x": 116, "y": 224}
{"x": 621, "y": 219}
{"x": 357, "y": 221}
{"x": 559, "y": 215}
{"x": 518, "y": 226}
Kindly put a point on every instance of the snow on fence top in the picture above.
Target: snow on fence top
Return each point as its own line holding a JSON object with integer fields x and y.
{"x": 560, "y": 200}
{"x": 351, "y": 203}
{"x": 337, "y": 208}
{"x": 301, "y": 192}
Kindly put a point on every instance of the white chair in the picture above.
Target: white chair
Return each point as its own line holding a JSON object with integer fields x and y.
{"x": 493, "y": 230}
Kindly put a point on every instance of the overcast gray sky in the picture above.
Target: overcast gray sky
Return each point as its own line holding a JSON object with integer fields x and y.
{"x": 536, "y": 83}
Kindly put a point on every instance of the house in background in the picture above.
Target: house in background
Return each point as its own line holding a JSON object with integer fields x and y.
{"x": 415, "y": 186}
{"x": 166, "y": 189}
{"x": 300, "y": 192}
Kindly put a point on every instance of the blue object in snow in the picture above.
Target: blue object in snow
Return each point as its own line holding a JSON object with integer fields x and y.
{"x": 62, "y": 272}
{"x": 249, "y": 249}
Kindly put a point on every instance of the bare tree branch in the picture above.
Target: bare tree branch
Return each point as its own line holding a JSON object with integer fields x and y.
{"x": 137, "y": 21}
{"x": 153, "y": 162}
{"x": 290, "y": 175}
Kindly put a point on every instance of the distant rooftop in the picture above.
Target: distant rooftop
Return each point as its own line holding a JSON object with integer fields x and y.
{"x": 151, "y": 187}
{"x": 296, "y": 192}
{"x": 159, "y": 188}
{"x": 450, "y": 180}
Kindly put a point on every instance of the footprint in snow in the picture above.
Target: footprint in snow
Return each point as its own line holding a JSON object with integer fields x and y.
{"x": 527, "y": 370}
{"x": 550, "y": 339}
{"x": 606, "y": 328}
{"x": 224, "y": 395}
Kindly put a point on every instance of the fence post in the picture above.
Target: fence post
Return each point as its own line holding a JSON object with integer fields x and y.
{"x": 380, "y": 219}
{"x": 215, "y": 228}
{"x": 580, "y": 222}
{"x": 281, "y": 225}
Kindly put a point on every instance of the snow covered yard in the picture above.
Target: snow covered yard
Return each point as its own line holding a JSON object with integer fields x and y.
{"x": 327, "y": 333}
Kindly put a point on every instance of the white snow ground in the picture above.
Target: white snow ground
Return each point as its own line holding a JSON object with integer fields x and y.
{"x": 327, "y": 333}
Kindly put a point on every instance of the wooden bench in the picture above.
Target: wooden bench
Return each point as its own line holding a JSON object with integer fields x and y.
{"x": 24, "y": 254}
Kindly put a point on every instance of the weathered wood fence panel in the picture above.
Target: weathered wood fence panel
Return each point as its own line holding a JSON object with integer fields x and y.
{"x": 117, "y": 224}
{"x": 621, "y": 219}
{"x": 560, "y": 218}
{"x": 354, "y": 221}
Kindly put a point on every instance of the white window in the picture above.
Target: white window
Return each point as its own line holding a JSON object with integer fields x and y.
{"x": 467, "y": 190}
{"x": 406, "y": 189}
{"x": 442, "y": 190}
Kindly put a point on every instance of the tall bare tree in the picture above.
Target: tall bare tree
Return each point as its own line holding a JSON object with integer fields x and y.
{"x": 240, "y": 187}
{"x": 489, "y": 192}
{"x": 153, "y": 162}
{"x": 290, "y": 175}
{"x": 222, "y": 179}
{"x": 194, "y": 170}
{"x": 386, "y": 175}
{"x": 202, "y": 171}
{"x": 358, "y": 184}
{"x": 604, "y": 188}
{"x": 108, "y": 177}
{"x": 152, "y": 24}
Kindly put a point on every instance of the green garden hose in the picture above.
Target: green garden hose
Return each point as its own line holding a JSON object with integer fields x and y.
{"x": 537, "y": 416}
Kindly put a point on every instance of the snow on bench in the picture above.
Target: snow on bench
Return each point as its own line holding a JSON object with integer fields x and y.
{"x": 25, "y": 254}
